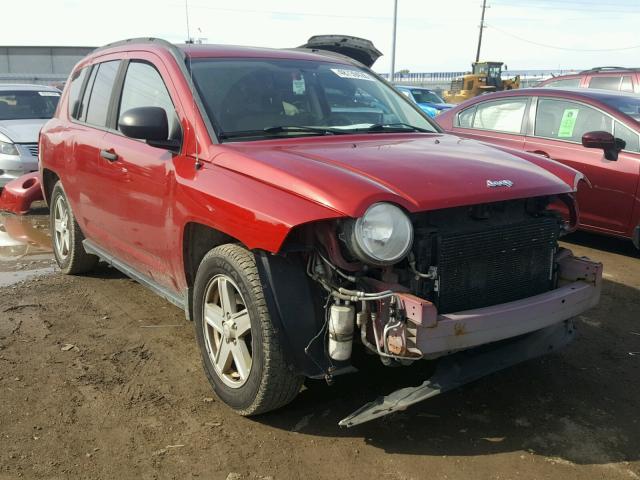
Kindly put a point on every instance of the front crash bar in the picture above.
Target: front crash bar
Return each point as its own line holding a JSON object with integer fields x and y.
{"x": 467, "y": 366}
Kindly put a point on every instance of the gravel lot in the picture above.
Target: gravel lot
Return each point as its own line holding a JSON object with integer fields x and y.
{"x": 99, "y": 378}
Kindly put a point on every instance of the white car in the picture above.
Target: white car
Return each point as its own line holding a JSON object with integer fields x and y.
{"x": 23, "y": 111}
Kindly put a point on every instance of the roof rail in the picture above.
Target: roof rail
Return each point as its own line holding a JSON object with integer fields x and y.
{"x": 608, "y": 68}
{"x": 152, "y": 40}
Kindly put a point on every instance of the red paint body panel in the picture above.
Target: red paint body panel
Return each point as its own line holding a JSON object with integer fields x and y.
{"x": 137, "y": 207}
{"x": 18, "y": 195}
{"x": 612, "y": 204}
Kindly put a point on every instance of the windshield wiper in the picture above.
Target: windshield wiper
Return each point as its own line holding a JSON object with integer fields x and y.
{"x": 396, "y": 127}
{"x": 299, "y": 128}
{"x": 281, "y": 129}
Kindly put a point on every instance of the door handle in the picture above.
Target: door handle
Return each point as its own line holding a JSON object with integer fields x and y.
{"x": 109, "y": 155}
{"x": 539, "y": 152}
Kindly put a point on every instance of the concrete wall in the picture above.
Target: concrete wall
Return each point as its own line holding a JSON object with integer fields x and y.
{"x": 42, "y": 65}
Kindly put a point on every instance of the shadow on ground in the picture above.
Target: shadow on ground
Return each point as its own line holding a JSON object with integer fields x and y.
{"x": 580, "y": 404}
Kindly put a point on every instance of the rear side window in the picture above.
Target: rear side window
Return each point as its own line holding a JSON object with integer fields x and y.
{"x": 627, "y": 84}
{"x": 501, "y": 115}
{"x": 566, "y": 83}
{"x": 100, "y": 96}
{"x": 606, "y": 82}
{"x": 144, "y": 87}
{"x": 630, "y": 137}
{"x": 562, "y": 120}
{"x": 74, "y": 92}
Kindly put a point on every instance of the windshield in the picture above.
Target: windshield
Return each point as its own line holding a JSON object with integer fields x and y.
{"x": 628, "y": 105}
{"x": 251, "y": 95}
{"x": 25, "y": 104}
{"x": 426, "y": 96}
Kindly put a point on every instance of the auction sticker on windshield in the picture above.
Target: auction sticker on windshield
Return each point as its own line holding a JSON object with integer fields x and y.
{"x": 49, "y": 94}
{"x": 355, "y": 74}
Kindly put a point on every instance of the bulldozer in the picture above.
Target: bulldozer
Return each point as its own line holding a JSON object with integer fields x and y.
{"x": 485, "y": 77}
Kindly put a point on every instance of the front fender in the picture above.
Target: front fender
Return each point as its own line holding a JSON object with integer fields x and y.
{"x": 258, "y": 215}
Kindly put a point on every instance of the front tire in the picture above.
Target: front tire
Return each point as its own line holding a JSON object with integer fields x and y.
{"x": 67, "y": 237}
{"x": 241, "y": 352}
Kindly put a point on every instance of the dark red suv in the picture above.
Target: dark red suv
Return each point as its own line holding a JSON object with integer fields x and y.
{"x": 297, "y": 208}
{"x": 618, "y": 79}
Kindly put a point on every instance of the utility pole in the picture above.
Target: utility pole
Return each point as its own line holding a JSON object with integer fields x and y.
{"x": 484, "y": 6}
{"x": 393, "y": 41}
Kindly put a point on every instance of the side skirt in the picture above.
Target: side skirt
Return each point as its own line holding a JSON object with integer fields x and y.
{"x": 177, "y": 299}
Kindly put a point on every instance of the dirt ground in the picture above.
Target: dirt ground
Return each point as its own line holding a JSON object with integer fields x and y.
{"x": 99, "y": 378}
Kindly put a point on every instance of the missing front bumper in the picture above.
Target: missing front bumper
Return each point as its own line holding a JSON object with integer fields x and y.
{"x": 467, "y": 366}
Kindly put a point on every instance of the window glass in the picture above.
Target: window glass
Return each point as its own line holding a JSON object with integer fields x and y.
{"x": 26, "y": 104}
{"x": 465, "y": 117}
{"x": 74, "y": 92}
{"x": 98, "y": 106}
{"x": 426, "y": 96}
{"x": 501, "y": 115}
{"x": 566, "y": 83}
{"x": 144, "y": 87}
{"x": 629, "y": 136}
{"x": 627, "y": 104}
{"x": 627, "y": 84}
{"x": 568, "y": 121}
{"x": 249, "y": 95}
{"x": 82, "y": 109}
{"x": 605, "y": 83}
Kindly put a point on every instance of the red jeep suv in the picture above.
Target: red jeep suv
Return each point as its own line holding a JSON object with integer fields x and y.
{"x": 298, "y": 208}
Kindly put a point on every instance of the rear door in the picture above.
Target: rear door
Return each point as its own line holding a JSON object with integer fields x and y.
{"x": 499, "y": 121}
{"x": 87, "y": 184}
{"x": 557, "y": 133}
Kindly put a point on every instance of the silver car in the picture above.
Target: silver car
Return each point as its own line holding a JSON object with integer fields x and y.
{"x": 23, "y": 111}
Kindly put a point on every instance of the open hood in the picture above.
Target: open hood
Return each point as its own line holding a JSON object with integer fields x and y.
{"x": 358, "y": 49}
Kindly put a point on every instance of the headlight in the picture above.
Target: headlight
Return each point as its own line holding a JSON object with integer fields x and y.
{"x": 382, "y": 236}
{"x": 7, "y": 147}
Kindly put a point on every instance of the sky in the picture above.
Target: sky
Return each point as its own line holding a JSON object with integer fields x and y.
{"x": 432, "y": 35}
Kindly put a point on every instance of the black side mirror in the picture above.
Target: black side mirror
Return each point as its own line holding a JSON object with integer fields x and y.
{"x": 606, "y": 141}
{"x": 149, "y": 124}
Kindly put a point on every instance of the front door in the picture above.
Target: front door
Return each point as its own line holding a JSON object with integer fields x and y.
{"x": 143, "y": 179}
{"x": 606, "y": 206}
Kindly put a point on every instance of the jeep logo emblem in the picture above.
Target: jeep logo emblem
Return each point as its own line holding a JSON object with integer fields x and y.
{"x": 499, "y": 183}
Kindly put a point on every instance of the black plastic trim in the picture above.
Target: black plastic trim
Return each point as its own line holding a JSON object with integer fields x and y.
{"x": 174, "y": 297}
{"x": 293, "y": 303}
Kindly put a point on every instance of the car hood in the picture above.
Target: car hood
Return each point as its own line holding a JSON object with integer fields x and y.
{"x": 22, "y": 131}
{"x": 417, "y": 171}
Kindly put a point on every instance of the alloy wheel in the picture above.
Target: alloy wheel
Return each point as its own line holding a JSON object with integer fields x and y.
{"x": 227, "y": 331}
{"x": 62, "y": 227}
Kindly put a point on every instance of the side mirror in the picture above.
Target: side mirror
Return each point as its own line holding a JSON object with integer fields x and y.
{"x": 149, "y": 124}
{"x": 605, "y": 141}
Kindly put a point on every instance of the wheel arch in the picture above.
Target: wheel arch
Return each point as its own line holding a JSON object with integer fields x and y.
{"x": 49, "y": 179}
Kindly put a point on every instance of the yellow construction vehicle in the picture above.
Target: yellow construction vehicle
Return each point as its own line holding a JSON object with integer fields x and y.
{"x": 486, "y": 77}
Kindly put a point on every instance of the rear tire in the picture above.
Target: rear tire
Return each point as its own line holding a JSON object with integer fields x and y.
{"x": 67, "y": 237}
{"x": 241, "y": 353}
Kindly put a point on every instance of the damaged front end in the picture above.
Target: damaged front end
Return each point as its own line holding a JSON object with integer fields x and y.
{"x": 485, "y": 287}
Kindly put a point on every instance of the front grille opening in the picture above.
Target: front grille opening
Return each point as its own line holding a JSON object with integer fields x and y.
{"x": 485, "y": 254}
{"x": 497, "y": 265}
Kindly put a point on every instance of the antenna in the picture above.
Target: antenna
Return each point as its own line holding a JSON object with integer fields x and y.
{"x": 197, "y": 165}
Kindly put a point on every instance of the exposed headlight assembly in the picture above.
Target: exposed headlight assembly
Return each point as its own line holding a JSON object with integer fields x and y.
{"x": 7, "y": 147}
{"x": 382, "y": 236}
